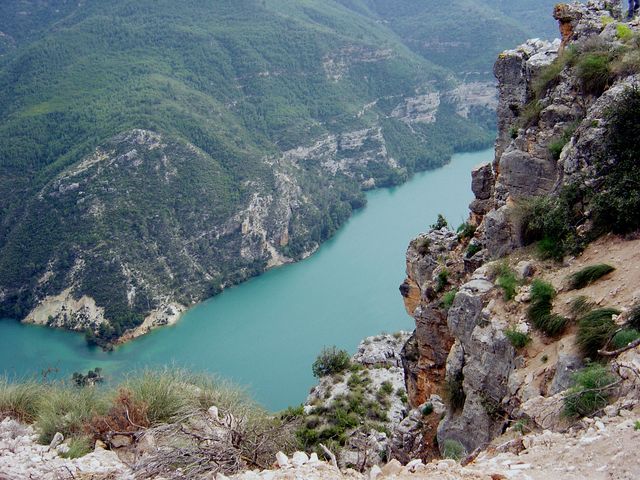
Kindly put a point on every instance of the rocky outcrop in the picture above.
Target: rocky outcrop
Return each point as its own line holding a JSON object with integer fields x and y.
{"x": 532, "y": 116}
{"x": 374, "y": 379}
{"x": 21, "y": 457}
{"x": 429, "y": 267}
{"x": 478, "y": 367}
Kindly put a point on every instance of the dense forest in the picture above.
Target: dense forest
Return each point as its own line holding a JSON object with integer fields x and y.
{"x": 228, "y": 87}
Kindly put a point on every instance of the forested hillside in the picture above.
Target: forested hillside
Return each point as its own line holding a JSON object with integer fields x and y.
{"x": 154, "y": 152}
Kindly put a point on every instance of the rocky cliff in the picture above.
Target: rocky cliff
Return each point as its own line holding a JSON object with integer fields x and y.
{"x": 543, "y": 210}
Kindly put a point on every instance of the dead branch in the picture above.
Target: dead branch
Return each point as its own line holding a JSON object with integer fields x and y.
{"x": 329, "y": 454}
{"x": 614, "y": 353}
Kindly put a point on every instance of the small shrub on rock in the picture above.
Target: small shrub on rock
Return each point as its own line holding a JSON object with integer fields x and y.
{"x": 441, "y": 223}
{"x": 592, "y": 388}
{"x": 331, "y": 360}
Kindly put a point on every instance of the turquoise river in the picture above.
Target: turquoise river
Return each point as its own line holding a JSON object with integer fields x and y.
{"x": 265, "y": 333}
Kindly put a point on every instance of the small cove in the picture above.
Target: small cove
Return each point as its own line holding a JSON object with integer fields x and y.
{"x": 265, "y": 333}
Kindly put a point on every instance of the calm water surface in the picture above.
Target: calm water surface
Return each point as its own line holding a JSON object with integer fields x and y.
{"x": 266, "y": 332}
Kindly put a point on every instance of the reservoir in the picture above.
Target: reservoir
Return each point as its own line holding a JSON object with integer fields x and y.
{"x": 265, "y": 333}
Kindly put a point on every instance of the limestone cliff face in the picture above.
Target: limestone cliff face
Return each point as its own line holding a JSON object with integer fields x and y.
{"x": 459, "y": 348}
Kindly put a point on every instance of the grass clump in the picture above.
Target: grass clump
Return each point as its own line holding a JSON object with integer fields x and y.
{"x": 506, "y": 279}
{"x": 624, "y": 337}
{"x": 448, "y": 298}
{"x": 78, "y": 447}
{"x": 594, "y": 72}
{"x": 386, "y": 387}
{"x": 163, "y": 393}
{"x": 518, "y": 339}
{"x": 580, "y": 306}
{"x": 591, "y": 390}
{"x": 453, "y": 449}
{"x": 68, "y": 410}
{"x": 636, "y": 426}
{"x": 331, "y": 360}
{"x": 595, "y": 330}
{"x": 539, "y": 311}
{"x": 588, "y": 275}
{"x": 20, "y": 400}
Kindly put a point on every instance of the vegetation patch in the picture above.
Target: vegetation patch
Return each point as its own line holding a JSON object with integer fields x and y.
{"x": 595, "y": 330}
{"x": 440, "y": 223}
{"x": 466, "y": 230}
{"x": 625, "y": 337}
{"x": 592, "y": 388}
{"x": 580, "y": 306}
{"x": 506, "y": 279}
{"x": 331, "y": 360}
{"x": 588, "y": 275}
{"x": 454, "y": 450}
{"x": 448, "y": 298}
{"x": 518, "y": 339}
{"x": 539, "y": 311}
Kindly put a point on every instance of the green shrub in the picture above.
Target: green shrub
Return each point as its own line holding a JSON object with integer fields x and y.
{"x": 517, "y": 338}
{"x": 625, "y": 337}
{"x": 636, "y": 425}
{"x": 591, "y": 391}
{"x": 78, "y": 447}
{"x": 331, "y": 360}
{"x": 588, "y": 275}
{"x": 427, "y": 409}
{"x": 466, "y": 230}
{"x": 552, "y": 222}
{"x": 453, "y": 449}
{"x": 441, "y": 223}
{"x": 594, "y": 72}
{"x": 448, "y": 298}
{"x": 20, "y": 400}
{"x": 595, "y": 329}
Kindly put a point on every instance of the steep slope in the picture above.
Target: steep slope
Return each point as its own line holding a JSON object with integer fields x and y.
{"x": 499, "y": 329}
{"x": 219, "y": 139}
